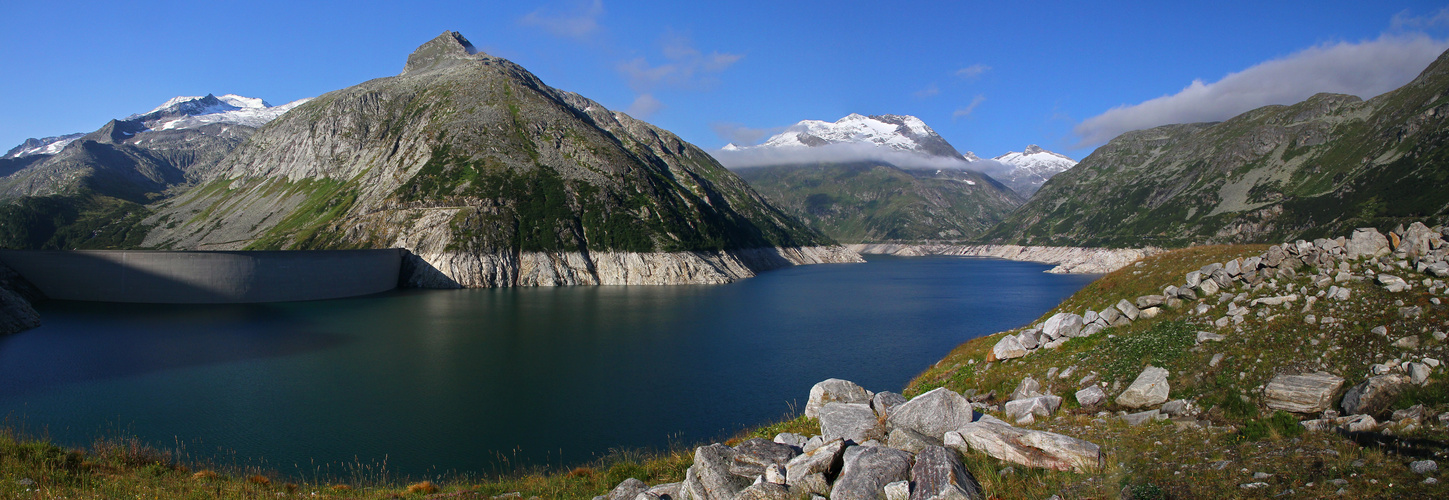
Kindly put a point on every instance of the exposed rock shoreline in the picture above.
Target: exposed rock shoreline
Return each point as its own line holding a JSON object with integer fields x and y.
{"x": 452, "y": 269}
{"x": 1069, "y": 260}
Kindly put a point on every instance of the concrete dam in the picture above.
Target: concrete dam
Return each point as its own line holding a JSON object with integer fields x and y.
{"x": 206, "y": 277}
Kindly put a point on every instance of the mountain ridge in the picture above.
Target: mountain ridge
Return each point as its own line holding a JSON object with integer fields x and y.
{"x": 1318, "y": 167}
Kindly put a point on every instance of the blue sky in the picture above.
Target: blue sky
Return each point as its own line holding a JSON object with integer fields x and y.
{"x": 989, "y": 77}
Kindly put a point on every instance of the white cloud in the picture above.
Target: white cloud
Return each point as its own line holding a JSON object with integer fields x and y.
{"x": 970, "y": 108}
{"x": 582, "y": 22}
{"x": 1404, "y": 21}
{"x": 644, "y": 106}
{"x": 687, "y": 66}
{"x": 1365, "y": 69}
{"x": 973, "y": 71}
{"x": 930, "y": 91}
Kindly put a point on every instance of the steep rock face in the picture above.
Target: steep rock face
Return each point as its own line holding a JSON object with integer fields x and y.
{"x": 489, "y": 178}
{"x": 874, "y": 201}
{"x": 1316, "y": 168}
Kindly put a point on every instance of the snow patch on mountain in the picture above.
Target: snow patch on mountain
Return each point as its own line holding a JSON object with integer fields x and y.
{"x": 177, "y": 113}
{"x": 902, "y": 140}
{"x": 1029, "y": 169}
{"x": 45, "y": 146}
{"x": 186, "y": 112}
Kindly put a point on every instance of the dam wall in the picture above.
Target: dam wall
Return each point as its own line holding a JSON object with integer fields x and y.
{"x": 184, "y": 277}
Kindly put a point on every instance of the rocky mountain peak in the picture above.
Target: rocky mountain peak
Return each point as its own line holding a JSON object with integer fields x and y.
{"x": 446, "y": 50}
{"x": 1034, "y": 149}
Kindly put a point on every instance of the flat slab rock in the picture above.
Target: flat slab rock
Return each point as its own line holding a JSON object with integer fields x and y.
{"x": 1149, "y": 389}
{"x": 1310, "y": 393}
{"x": 1027, "y": 447}
{"x": 934, "y": 413}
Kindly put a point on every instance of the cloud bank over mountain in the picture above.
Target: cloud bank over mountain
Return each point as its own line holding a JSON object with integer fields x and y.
{"x": 1364, "y": 69}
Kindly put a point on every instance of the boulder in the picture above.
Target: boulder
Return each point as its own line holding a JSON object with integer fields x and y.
{"x": 1417, "y": 240}
{"x": 850, "y": 421}
{"x": 909, "y": 440}
{"x": 1128, "y": 310}
{"x": 1208, "y": 288}
{"x": 1193, "y": 279}
{"x": 753, "y": 456}
{"x": 627, "y": 490}
{"x": 1147, "y": 301}
{"x": 1391, "y": 283}
{"x": 883, "y": 402}
{"x": 826, "y": 460}
{"x": 1186, "y": 293}
{"x": 1367, "y": 242}
{"x": 1234, "y": 268}
{"x": 1274, "y": 256}
{"x": 939, "y": 475}
{"x": 1063, "y": 325}
{"x": 1028, "y": 388}
{"x": 1373, "y": 395}
{"x": 709, "y": 477}
{"x": 1141, "y": 417}
{"x": 834, "y": 391}
{"x": 1110, "y": 315}
{"x": 1007, "y": 348}
{"x": 1310, "y": 393}
{"x": 1027, "y": 447}
{"x": 791, "y": 439}
{"x": 868, "y": 469}
{"x": 1180, "y": 408}
{"x": 1091, "y": 396}
{"x": 766, "y": 491}
{"x": 1030, "y": 338}
{"x": 1149, "y": 389}
{"x": 1359, "y": 423}
{"x": 1419, "y": 373}
{"x": 1039, "y": 406}
{"x": 934, "y": 413}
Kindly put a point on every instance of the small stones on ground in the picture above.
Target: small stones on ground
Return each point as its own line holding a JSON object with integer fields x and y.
{"x": 1423, "y": 466}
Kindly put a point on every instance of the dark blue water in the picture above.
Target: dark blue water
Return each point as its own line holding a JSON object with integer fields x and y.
{"x": 435, "y": 380}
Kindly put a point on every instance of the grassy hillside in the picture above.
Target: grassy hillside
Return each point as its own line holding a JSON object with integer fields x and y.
{"x": 873, "y": 202}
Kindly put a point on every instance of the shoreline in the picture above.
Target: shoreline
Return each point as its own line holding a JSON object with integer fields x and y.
{"x": 1068, "y": 260}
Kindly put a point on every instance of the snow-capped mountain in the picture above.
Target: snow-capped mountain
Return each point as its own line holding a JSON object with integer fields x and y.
{"x": 45, "y": 146}
{"x": 1029, "y": 169}
{"x": 896, "y": 132}
{"x": 194, "y": 111}
{"x": 178, "y": 113}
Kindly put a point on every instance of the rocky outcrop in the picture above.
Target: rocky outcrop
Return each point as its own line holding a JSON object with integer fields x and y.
{"x": 1069, "y": 260}
{"x": 912, "y": 464}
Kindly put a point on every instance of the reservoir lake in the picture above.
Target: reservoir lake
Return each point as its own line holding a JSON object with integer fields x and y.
{"x": 426, "y": 382}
